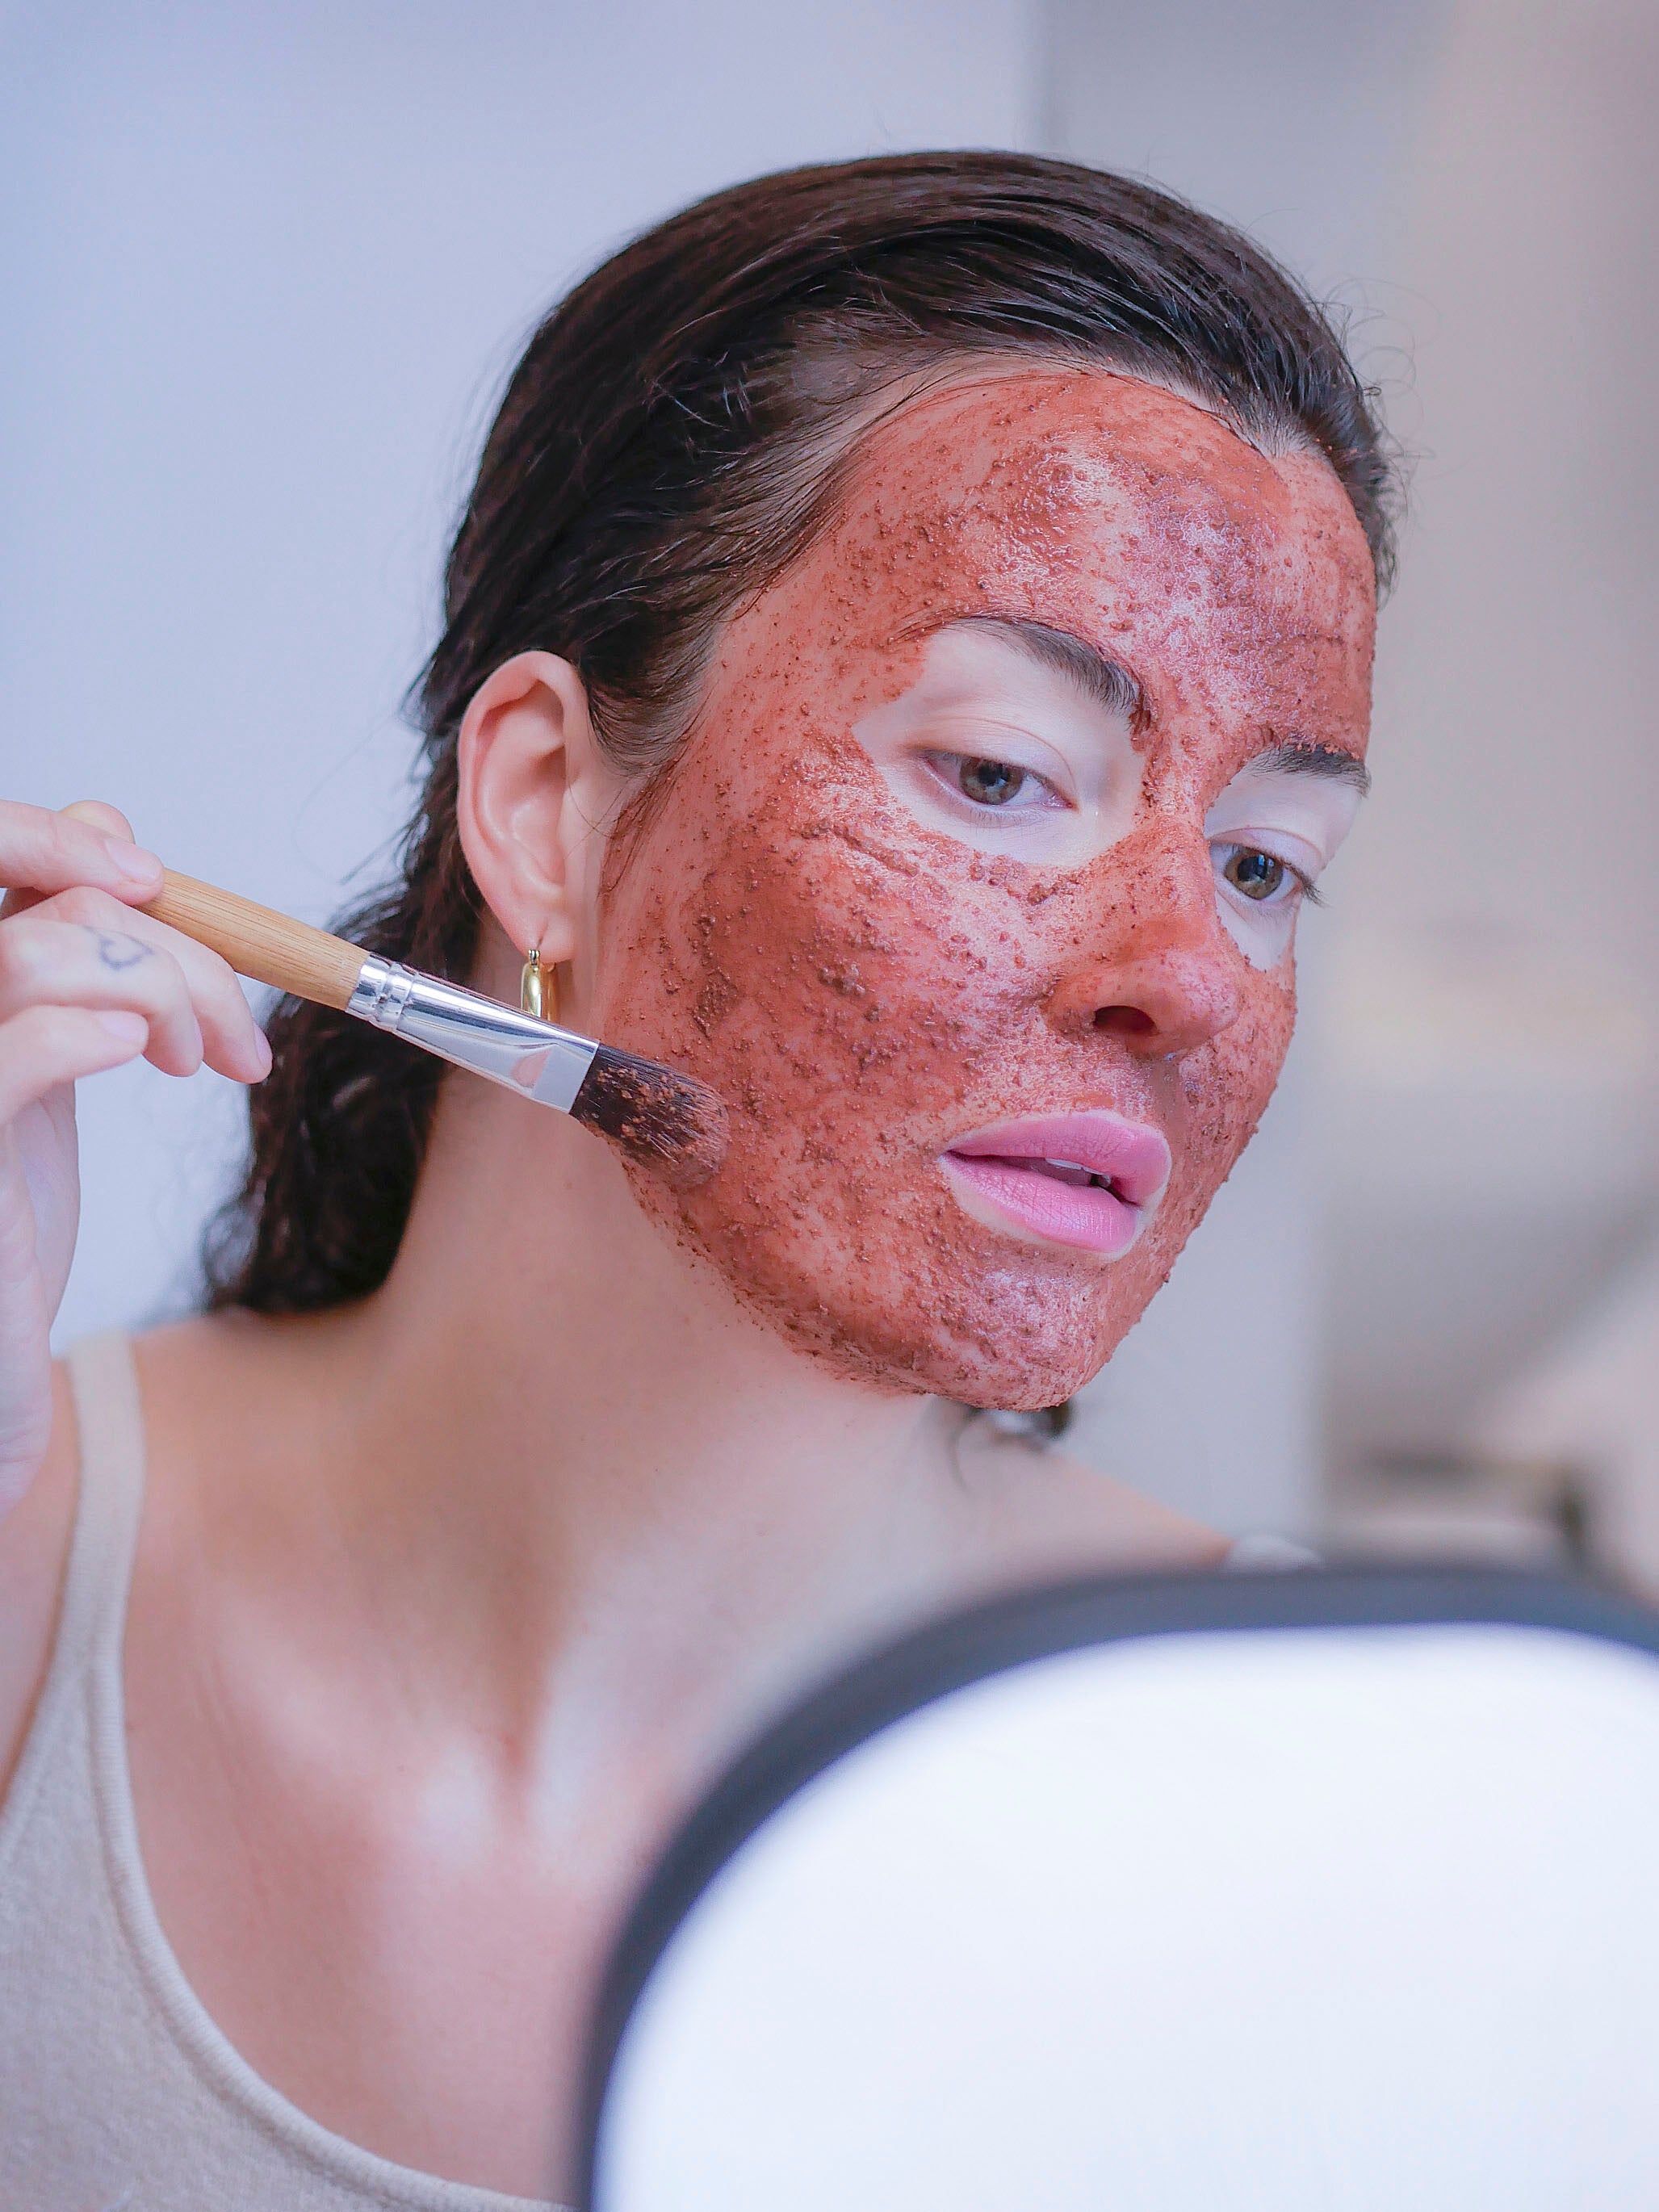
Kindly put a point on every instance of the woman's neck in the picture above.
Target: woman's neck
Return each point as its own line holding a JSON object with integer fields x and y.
{"x": 589, "y": 1491}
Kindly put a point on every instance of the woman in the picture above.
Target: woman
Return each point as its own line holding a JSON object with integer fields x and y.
{"x": 907, "y": 658}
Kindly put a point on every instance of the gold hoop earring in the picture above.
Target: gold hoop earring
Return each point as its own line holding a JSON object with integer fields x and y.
{"x": 539, "y": 988}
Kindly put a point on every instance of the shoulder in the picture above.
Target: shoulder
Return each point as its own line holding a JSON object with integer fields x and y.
{"x": 1062, "y": 1516}
{"x": 34, "y": 1545}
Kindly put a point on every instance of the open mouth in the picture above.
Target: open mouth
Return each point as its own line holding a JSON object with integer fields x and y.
{"x": 1089, "y": 1181}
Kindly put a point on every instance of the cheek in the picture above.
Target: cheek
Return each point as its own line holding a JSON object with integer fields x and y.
{"x": 1225, "y": 1087}
{"x": 847, "y": 1003}
{"x": 809, "y": 959}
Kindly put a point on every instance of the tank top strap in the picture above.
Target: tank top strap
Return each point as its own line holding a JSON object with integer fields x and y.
{"x": 116, "y": 2088}
{"x": 109, "y": 1422}
{"x": 58, "y": 1754}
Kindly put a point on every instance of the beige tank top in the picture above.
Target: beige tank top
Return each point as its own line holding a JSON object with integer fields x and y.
{"x": 117, "y": 2093}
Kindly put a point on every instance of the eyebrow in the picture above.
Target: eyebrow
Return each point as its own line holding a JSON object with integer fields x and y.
{"x": 1301, "y": 756}
{"x": 1117, "y": 688}
{"x": 1096, "y": 674}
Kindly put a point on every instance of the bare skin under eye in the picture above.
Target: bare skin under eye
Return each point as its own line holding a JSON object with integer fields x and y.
{"x": 862, "y": 984}
{"x": 982, "y": 703}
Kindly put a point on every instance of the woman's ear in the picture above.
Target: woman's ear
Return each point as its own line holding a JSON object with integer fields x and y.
{"x": 535, "y": 793}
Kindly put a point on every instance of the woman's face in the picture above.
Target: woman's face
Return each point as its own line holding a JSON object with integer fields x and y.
{"x": 973, "y": 891}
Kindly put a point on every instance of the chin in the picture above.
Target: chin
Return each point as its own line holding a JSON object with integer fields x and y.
{"x": 1013, "y": 1363}
{"x": 938, "y": 1307}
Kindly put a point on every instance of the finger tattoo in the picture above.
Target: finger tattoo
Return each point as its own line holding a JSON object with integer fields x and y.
{"x": 119, "y": 952}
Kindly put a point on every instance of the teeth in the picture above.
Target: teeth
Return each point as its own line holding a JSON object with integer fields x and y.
{"x": 1070, "y": 1171}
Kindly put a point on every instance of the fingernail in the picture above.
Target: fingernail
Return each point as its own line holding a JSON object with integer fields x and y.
{"x": 133, "y": 861}
{"x": 131, "y": 1029}
{"x": 262, "y": 1054}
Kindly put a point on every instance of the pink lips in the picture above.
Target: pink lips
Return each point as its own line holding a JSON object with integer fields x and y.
{"x": 1091, "y": 1180}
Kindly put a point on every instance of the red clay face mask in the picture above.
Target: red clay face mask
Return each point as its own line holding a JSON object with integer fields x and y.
{"x": 973, "y": 890}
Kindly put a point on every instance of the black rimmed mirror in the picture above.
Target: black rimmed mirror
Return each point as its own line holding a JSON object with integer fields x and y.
{"x": 1318, "y": 1891}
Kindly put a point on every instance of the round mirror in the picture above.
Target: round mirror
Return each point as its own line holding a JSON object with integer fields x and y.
{"x": 1304, "y": 1891}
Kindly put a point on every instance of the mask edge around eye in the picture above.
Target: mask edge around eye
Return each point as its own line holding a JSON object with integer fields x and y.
{"x": 1264, "y": 930}
{"x": 1268, "y": 808}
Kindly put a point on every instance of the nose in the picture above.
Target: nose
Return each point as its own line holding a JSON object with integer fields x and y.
{"x": 1152, "y": 964}
{"x": 1167, "y": 1004}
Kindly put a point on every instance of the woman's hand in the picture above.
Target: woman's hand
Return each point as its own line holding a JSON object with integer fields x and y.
{"x": 87, "y": 981}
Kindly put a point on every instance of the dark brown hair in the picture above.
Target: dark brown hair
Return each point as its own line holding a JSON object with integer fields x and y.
{"x": 668, "y": 443}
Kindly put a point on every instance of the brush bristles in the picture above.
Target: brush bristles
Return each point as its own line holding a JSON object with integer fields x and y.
{"x": 669, "y": 1121}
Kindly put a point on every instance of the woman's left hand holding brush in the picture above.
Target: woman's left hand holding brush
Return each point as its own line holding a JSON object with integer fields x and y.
{"x": 87, "y": 981}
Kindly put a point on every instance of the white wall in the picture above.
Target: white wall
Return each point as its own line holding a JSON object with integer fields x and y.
{"x": 1491, "y": 1107}
{"x": 1293, "y": 118}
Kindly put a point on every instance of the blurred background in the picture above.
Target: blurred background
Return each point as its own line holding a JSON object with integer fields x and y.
{"x": 265, "y": 271}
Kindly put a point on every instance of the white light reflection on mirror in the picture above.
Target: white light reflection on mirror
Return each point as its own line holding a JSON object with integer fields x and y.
{"x": 1300, "y": 1920}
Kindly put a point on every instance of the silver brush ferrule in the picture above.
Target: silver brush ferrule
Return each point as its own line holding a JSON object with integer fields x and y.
{"x": 513, "y": 1049}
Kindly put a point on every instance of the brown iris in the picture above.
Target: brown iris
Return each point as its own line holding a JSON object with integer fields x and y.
{"x": 989, "y": 782}
{"x": 1258, "y": 875}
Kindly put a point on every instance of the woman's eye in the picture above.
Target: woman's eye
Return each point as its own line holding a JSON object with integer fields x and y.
{"x": 989, "y": 782}
{"x": 1257, "y": 875}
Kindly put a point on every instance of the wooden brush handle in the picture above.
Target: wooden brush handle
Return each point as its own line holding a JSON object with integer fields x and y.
{"x": 259, "y": 942}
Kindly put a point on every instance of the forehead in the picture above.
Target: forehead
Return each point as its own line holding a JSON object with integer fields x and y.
{"x": 1233, "y": 581}
{"x": 1043, "y": 451}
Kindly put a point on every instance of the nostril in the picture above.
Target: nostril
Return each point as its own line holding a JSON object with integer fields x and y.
{"x": 1124, "y": 1021}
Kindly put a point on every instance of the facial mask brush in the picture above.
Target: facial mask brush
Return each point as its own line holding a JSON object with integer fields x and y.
{"x": 669, "y": 1121}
